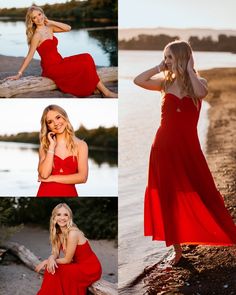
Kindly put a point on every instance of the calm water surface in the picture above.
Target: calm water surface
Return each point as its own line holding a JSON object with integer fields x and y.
{"x": 18, "y": 173}
{"x": 100, "y": 43}
{"x": 139, "y": 118}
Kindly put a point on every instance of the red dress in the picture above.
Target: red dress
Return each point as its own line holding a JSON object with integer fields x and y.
{"x": 75, "y": 277}
{"x": 182, "y": 203}
{"x": 66, "y": 166}
{"x": 75, "y": 74}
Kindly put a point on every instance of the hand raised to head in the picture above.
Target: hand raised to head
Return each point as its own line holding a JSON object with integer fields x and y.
{"x": 190, "y": 65}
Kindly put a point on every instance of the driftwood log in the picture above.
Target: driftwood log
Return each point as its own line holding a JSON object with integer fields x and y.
{"x": 100, "y": 287}
{"x": 9, "y": 88}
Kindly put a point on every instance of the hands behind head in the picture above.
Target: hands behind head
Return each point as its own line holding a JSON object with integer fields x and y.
{"x": 190, "y": 64}
{"x": 162, "y": 66}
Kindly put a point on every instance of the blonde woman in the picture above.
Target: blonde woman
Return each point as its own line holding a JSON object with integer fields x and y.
{"x": 182, "y": 203}
{"x": 78, "y": 268}
{"x": 63, "y": 158}
{"x": 75, "y": 74}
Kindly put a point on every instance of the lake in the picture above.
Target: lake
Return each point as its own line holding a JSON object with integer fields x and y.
{"x": 101, "y": 43}
{"x": 18, "y": 172}
{"x": 139, "y": 118}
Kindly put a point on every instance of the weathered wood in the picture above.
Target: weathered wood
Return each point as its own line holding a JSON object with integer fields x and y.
{"x": 10, "y": 88}
{"x": 103, "y": 287}
{"x": 100, "y": 287}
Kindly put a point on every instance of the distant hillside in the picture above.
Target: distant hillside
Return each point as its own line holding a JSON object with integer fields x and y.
{"x": 127, "y": 34}
{"x": 223, "y": 43}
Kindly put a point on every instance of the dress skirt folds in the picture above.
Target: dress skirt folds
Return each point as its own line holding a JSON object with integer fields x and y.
{"x": 182, "y": 203}
{"x": 73, "y": 278}
{"x": 75, "y": 74}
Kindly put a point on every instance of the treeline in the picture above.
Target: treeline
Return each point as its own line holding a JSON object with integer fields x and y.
{"x": 99, "y": 223}
{"x": 104, "y": 11}
{"x": 98, "y": 138}
{"x": 158, "y": 42}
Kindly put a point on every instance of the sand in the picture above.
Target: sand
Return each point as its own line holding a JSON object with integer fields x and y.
{"x": 16, "y": 279}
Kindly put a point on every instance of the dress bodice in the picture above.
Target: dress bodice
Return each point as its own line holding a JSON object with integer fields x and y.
{"x": 179, "y": 112}
{"x": 48, "y": 52}
{"x": 66, "y": 166}
{"x": 82, "y": 252}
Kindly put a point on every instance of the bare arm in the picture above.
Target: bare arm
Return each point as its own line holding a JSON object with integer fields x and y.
{"x": 145, "y": 80}
{"x": 81, "y": 176}
{"x": 33, "y": 46}
{"x": 46, "y": 158}
{"x": 199, "y": 84}
{"x": 57, "y": 27}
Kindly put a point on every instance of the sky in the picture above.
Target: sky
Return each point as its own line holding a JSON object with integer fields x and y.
{"x": 214, "y": 14}
{"x": 26, "y": 3}
{"x": 24, "y": 115}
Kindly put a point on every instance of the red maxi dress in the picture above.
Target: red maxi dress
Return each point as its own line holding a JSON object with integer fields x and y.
{"x": 75, "y": 74}
{"x": 182, "y": 203}
{"x": 73, "y": 278}
{"x": 66, "y": 166}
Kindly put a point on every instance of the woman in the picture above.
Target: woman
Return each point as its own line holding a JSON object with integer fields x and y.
{"x": 182, "y": 204}
{"x": 79, "y": 268}
{"x": 63, "y": 158}
{"x": 75, "y": 74}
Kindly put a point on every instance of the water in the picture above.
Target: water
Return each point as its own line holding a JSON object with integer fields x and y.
{"x": 100, "y": 43}
{"x": 18, "y": 173}
{"x": 139, "y": 118}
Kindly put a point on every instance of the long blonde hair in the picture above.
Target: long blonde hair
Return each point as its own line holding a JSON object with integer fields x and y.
{"x": 55, "y": 229}
{"x": 181, "y": 51}
{"x": 30, "y": 25}
{"x": 69, "y": 131}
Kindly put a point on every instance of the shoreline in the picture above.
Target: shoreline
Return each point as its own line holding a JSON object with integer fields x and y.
{"x": 209, "y": 269}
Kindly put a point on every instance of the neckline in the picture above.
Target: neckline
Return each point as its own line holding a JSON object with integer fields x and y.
{"x": 64, "y": 158}
{"x": 49, "y": 39}
{"x": 179, "y": 98}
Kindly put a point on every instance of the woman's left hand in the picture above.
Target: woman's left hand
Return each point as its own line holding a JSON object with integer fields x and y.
{"x": 41, "y": 265}
{"x": 190, "y": 64}
{"x": 49, "y": 179}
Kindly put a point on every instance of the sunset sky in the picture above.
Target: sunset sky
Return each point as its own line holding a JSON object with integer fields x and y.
{"x": 215, "y": 14}
{"x": 24, "y": 114}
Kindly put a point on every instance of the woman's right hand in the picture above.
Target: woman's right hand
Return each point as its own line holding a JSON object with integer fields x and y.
{"x": 162, "y": 66}
{"x": 16, "y": 77}
{"x": 52, "y": 140}
{"x": 41, "y": 266}
{"x": 51, "y": 265}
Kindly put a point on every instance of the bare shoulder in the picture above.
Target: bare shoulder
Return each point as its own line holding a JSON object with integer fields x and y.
{"x": 81, "y": 144}
{"x": 75, "y": 233}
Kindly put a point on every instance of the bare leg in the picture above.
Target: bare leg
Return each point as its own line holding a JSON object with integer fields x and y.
{"x": 177, "y": 254}
{"x": 105, "y": 91}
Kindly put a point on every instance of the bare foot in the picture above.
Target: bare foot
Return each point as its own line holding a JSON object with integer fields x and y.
{"x": 110, "y": 94}
{"x": 177, "y": 255}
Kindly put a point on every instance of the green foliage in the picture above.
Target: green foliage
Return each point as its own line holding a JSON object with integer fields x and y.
{"x": 96, "y": 217}
{"x": 90, "y": 10}
{"x": 100, "y": 138}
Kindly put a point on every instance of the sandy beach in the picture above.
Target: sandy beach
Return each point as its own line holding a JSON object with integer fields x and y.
{"x": 10, "y": 66}
{"x": 17, "y": 279}
{"x": 204, "y": 269}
